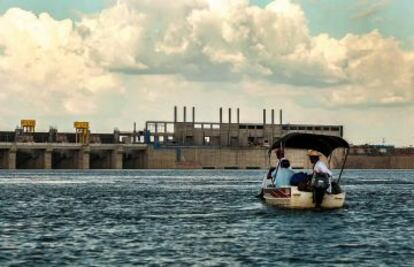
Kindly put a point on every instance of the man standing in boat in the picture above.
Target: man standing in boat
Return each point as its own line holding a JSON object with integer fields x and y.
{"x": 321, "y": 177}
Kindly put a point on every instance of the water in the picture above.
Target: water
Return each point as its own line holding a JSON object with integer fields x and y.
{"x": 114, "y": 218}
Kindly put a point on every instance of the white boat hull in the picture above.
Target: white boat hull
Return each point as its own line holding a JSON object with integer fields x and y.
{"x": 291, "y": 197}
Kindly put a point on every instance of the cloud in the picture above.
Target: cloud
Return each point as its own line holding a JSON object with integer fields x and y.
{"x": 376, "y": 71}
{"x": 136, "y": 48}
{"x": 45, "y": 64}
{"x": 233, "y": 41}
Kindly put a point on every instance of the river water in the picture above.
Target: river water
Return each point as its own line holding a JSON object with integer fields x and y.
{"x": 203, "y": 217}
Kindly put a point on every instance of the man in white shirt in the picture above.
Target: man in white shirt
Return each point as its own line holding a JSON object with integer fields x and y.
{"x": 321, "y": 177}
{"x": 319, "y": 166}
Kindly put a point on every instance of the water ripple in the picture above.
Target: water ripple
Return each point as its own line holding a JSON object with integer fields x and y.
{"x": 198, "y": 217}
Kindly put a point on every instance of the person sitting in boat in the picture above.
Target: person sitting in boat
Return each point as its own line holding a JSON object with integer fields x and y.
{"x": 268, "y": 180}
{"x": 321, "y": 177}
{"x": 280, "y": 155}
{"x": 282, "y": 174}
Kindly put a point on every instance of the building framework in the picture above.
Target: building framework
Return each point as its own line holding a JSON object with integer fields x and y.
{"x": 228, "y": 134}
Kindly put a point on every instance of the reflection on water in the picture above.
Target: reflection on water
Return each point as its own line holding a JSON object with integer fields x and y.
{"x": 209, "y": 217}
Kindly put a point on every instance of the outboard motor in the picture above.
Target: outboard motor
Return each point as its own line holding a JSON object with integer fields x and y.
{"x": 319, "y": 185}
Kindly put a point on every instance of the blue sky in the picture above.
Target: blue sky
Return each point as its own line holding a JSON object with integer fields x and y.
{"x": 59, "y": 9}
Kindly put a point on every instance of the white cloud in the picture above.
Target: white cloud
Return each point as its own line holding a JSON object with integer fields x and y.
{"x": 139, "y": 48}
{"x": 377, "y": 72}
{"x": 46, "y": 64}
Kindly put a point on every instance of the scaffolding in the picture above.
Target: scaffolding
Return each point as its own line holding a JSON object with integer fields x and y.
{"x": 82, "y": 131}
{"x": 28, "y": 126}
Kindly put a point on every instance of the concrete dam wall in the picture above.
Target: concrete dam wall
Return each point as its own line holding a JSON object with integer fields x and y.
{"x": 220, "y": 158}
{"x": 138, "y": 156}
{"x": 72, "y": 156}
{"x": 231, "y": 158}
{"x": 380, "y": 162}
{"x": 122, "y": 156}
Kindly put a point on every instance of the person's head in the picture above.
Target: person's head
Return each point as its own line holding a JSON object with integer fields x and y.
{"x": 279, "y": 154}
{"x": 285, "y": 163}
{"x": 313, "y": 156}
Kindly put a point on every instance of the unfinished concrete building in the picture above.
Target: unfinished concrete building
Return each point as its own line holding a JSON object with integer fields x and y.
{"x": 230, "y": 133}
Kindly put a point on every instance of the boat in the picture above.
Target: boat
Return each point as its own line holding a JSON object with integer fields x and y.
{"x": 290, "y": 196}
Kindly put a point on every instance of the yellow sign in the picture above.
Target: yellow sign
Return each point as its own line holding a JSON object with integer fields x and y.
{"x": 82, "y": 131}
{"x": 81, "y": 125}
{"x": 28, "y": 123}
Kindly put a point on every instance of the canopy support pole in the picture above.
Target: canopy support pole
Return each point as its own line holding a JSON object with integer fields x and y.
{"x": 269, "y": 156}
{"x": 329, "y": 161}
{"x": 282, "y": 148}
{"x": 343, "y": 165}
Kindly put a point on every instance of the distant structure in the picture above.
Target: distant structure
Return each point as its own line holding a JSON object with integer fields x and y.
{"x": 181, "y": 144}
{"x": 161, "y": 144}
{"x": 82, "y": 131}
{"x": 229, "y": 133}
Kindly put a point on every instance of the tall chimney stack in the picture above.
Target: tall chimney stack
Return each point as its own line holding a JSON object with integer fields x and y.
{"x": 221, "y": 115}
{"x": 273, "y": 116}
{"x": 238, "y": 116}
{"x": 175, "y": 113}
{"x": 185, "y": 114}
{"x": 193, "y": 109}
{"x": 134, "y": 139}
{"x": 229, "y": 115}
{"x": 280, "y": 116}
{"x": 264, "y": 116}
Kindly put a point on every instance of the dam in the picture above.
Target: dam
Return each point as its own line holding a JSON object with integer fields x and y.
{"x": 185, "y": 143}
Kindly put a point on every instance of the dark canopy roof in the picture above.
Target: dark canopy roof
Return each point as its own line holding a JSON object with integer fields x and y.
{"x": 322, "y": 143}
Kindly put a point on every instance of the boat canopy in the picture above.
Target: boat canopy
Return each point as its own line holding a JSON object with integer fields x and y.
{"x": 325, "y": 144}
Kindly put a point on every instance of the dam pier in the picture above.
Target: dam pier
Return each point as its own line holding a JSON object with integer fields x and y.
{"x": 27, "y": 149}
{"x": 71, "y": 156}
{"x": 224, "y": 144}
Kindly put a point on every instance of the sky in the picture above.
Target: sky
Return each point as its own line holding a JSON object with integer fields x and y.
{"x": 114, "y": 63}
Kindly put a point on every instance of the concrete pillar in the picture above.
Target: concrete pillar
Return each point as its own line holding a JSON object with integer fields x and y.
{"x": 134, "y": 138}
{"x": 4, "y": 159}
{"x": 116, "y": 136}
{"x": 272, "y": 138}
{"x": 238, "y": 116}
{"x": 11, "y": 162}
{"x": 280, "y": 117}
{"x": 8, "y": 159}
{"x": 175, "y": 113}
{"x": 185, "y": 114}
{"x": 116, "y": 158}
{"x": 221, "y": 115}
{"x": 229, "y": 115}
{"x": 193, "y": 117}
{"x": 264, "y": 116}
{"x": 83, "y": 158}
{"x": 47, "y": 159}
